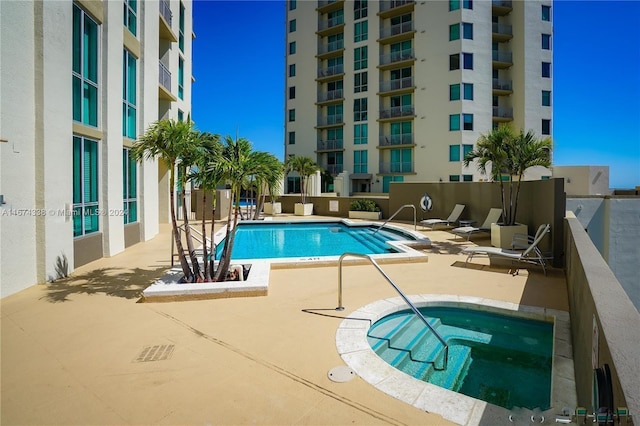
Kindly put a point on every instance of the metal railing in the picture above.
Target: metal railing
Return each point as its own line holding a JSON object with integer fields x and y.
{"x": 330, "y": 95}
{"x": 392, "y": 4}
{"x": 329, "y": 145}
{"x": 398, "y": 211}
{"x": 397, "y": 84}
{"x": 502, "y": 84}
{"x": 331, "y": 47}
{"x": 401, "y": 139}
{"x": 165, "y": 11}
{"x": 396, "y": 29}
{"x": 165, "y": 77}
{"x": 196, "y": 235}
{"x": 503, "y": 112}
{"x": 390, "y": 58}
{"x": 502, "y": 56}
{"x": 329, "y": 71}
{"x": 502, "y": 29}
{"x": 415, "y": 310}
{"x": 395, "y": 167}
{"x": 329, "y": 120}
{"x": 330, "y": 23}
{"x": 399, "y": 111}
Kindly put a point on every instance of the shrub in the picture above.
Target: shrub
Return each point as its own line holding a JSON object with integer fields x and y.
{"x": 364, "y": 206}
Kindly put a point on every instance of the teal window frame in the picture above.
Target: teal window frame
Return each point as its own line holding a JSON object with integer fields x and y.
{"x": 292, "y": 138}
{"x": 181, "y": 28}
{"x": 454, "y": 92}
{"x": 180, "y": 115}
{"x": 466, "y": 148}
{"x": 454, "y": 152}
{"x": 386, "y": 181}
{"x": 85, "y": 68}
{"x": 131, "y": 15}
{"x": 129, "y": 187}
{"x": 85, "y": 186}
{"x": 181, "y": 78}
{"x": 401, "y": 160}
{"x": 129, "y": 94}
{"x": 467, "y": 178}
{"x": 546, "y": 69}
{"x": 292, "y": 92}
{"x": 401, "y": 132}
{"x": 360, "y": 161}
{"x": 454, "y": 5}
{"x": 360, "y": 58}
{"x": 361, "y": 31}
{"x": 454, "y": 122}
{"x": 546, "y": 98}
{"x": 467, "y": 4}
{"x": 361, "y": 134}
{"x": 467, "y": 31}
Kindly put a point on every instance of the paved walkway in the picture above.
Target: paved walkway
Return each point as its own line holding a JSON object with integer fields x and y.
{"x": 81, "y": 351}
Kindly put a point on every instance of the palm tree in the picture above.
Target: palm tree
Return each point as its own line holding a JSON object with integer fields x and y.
{"x": 168, "y": 140}
{"x": 268, "y": 179}
{"x": 305, "y": 167}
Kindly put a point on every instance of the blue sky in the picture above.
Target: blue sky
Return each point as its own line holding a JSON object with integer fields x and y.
{"x": 238, "y": 60}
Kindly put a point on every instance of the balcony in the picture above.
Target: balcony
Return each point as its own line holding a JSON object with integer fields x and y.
{"x": 501, "y": 7}
{"x": 333, "y": 169}
{"x": 388, "y": 167}
{"x": 397, "y": 32}
{"x": 397, "y": 85}
{"x": 330, "y": 72}
{"x": 330, "y": 120}
{"x": 397, "y": 112}
{"x": 390, "y": 8}
{"x": 397, "y": 58}
{"x": 331, "y": 26}
{"x": 166, "y": 19}
{"x": 502, "y": 59}
{"x": 333, "y": 48}
{"x": 326, "y": 6}
{"x": 502, "y": 114}
{"x": 501, "y": 32}
{"x": 331, "y": 96}
{"x": 331, "y": 145}
{"x": 396, "y": 140}
{"x": 164, "y": 84}
{"x": 502, "y": 87}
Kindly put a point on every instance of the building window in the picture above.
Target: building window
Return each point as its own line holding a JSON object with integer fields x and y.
{"x": 454, "y": 92}
{"x": 360, "y": 9}
{"x": 546, "y": 41}
{"x": 454, "y": 62}
{"x": 334, "y": 114}
{"x": 546, "y": 13}
{"x": 467, "y": 120}
{"x": 401, "y": 160}
{"x": 360, "y": 55}
{"x": 335, "y": 137}
{"x": 181, "y": 78}
{"x": 361, "y": 31}
{"x": 546, "y": 69}
{"x": 467, "y": 31}
{"x": 360, "y": 160}
{"x": 454, "y": 178}
{"x": 467, "y": 178}
{"x": 130, "y": 15}
{"x": 466, "y": 149}
{"x": 292, "y": 115}
{"x": 467, "y": 61}
{"x": 360, "y": 82}
{"x": 292, "y": 92}
{"x": 467, "y": 91}
{"x": 292, "y": 138}
{"x": 129, "y": 187}
{"x": 360, "y": 134}
{"x": 85, "y": 186}
{"x": 454, "y": 32}
{"x": 181, "y": 29}
{"x": 360, "y": 109}
{"x": 454, "y": 152}
{"x": 386, "y": 181}
{"x": 546, "y": 98}
{"x": 180, "y": 115}
{"x": 454, "y": 5}
{"x": 292, "y": 70}
{"x": 401, "y": 133}
{"x": 292, "y": 5}
{"x": 85, "y": 68}
{"x": 467, "y": 4}
{"x": 292, "y": 25}
{"x": 454, "y": 122}
{"x": 292, "y": 48}
{"x": 546, "y": 127}
{"x": 129, "y": 77}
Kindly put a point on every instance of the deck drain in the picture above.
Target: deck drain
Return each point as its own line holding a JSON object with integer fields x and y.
{"x": 341, "y": 374}
{"x": 155, "y": 353}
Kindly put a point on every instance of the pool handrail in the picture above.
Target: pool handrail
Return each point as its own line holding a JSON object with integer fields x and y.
{"x": 404, "y": 297}
{"x": 398, "y": 211}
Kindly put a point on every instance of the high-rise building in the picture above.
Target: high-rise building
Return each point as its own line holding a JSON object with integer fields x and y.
{"x": 80, "y": 82}
{"x": 401, "y": 90}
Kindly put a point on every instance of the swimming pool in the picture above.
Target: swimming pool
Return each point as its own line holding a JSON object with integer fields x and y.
{"x": 271, "y": 240}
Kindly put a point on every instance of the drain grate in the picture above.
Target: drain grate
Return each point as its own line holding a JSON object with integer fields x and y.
{"x": 155, "y": 353}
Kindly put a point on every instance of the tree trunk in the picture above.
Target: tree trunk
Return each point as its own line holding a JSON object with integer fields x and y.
{"x": 187, "y": 232}
{"x": 207, "y": 275}
{"x": 186, "y": 270}
{"x": 223, "y": 262}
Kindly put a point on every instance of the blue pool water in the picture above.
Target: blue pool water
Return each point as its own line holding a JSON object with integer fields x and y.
{"x": 266, "y": 240}
{"x": 504, "y": 360}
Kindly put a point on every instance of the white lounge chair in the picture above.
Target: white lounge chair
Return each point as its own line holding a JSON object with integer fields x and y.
{"x": 466, "y": 231}
{"x": 531, "y": 253}
{"x": 453, "y": 218}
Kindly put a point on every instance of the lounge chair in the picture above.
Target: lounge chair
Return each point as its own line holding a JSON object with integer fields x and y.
{"x": 492, "y": 217}
{"x": 531, "y": 253}
{"x": 453, "y": 218}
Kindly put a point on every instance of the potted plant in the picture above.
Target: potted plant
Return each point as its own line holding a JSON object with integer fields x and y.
{"x": 509, "y": 154}
{"x": 364, "y": 209}
{"x": 305, "y": 167}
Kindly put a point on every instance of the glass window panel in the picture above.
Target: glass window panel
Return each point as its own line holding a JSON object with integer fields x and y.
{"x": 468, "y": 61}
{"x": 454, "y": 152}
{"x": 292, "y": 25}
{"x": 77, "y": 99}
{"x": 467, "y": 31}
{"x": 90, "y": 45}
{"x": 292, "y": 70}
{"x": 466, "y": 149}
{"x": 292, "y": 48}
{"x": 454, "y": 32}
{"x": 467, "y": 4}
{"x": 77, "y": 221}
{"x": 90, "y": 104}
{"x": 77, "y": 40}
{"x": 454, "y": 61}
{"x": 468, "y": 91}
{"x": 467, "y": 178}
{"x": 292, "y": 6}
{"x": 546, "y": 69}
{"x": 468, "y": 121}
{"x": 546, "y": 41}
{"x": 454, "y": 178}
{"x": 77, "y": 170}
{"x": 292, "y": 115}
{"x": 454, "y": 92}
{"x": 546, "y": 13}
{"x": 292, "y": 138}
{"x": 454, "y": 122}
{"x": 546, "y": 98}
{"x": 454, "y": 5}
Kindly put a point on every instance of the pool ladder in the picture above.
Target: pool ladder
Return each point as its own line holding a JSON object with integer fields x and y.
{"x": 398, "y": 211}
{"x": 404, "y": 297}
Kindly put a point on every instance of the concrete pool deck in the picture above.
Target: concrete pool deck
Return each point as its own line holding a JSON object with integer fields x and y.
{"x": 82, "y": 351}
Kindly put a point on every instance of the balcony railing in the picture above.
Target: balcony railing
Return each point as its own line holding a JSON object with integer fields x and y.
{"x": 331, "y": 145}
{"x": 165, "y": 11}
{"x": 325, "y": 24}
{"x": 503, "y": 112}
{"x": 331, "y": 47}
{"x": 329, "y": 71}
{"x": 323, "y": 3}
{"x": 392, "y": 4}
{"x": 165, "y": 77}
{"x": 502, "y": 29}
{"x": 399, "y": 111}
{"x": 502, "y": 3}
{"x": 396, "y": 29}
{"x": 329, "y": 120}
{"x": 333, "y": 169}
{"x": 401, "y": 83}
{"x": 330, "y": 95}
{"x": 502, "y": 84}
{"x": 502, "y": 56}
{"x": 391, "y": 140}
{"x": 394, "y": 57}
{"x": 396, "y": 167}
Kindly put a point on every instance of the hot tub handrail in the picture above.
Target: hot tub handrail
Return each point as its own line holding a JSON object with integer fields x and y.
{"x": 398, "y": 211}
{"x": 404, "y": 297}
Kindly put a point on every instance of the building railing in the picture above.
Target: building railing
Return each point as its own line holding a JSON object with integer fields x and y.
{"x": 329, "y": 71}
{"x": 330, "y": 95}
{"x": 329, "y": 120}
{"x": 165, "y": 11}
{"x": 391, "y": 140}
{"x": 325, "y": 24}
{"x": 396, "y": 29}
{"x": 165, "y": 77}
{"x": 403, "y": 55}
{"x": 503, "y": 112}
{"x": 330, "y": 145}
{"x": 399, "y": 111}
{"x": 401, "y": 83}
{"x": 323, "y": 3}
{"x": 331, "y": 47}
{"x": 502, "y": 84}
{"x": 392, "y": 4}
{"x": 502, "y": 3}
{"x": 502, "y": 56}
{"x": 502, "y": 29}
{"x": 396, "y": 167}
{"x": 333, "y": 169}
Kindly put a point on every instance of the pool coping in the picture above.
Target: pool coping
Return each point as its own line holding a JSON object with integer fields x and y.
{"x": 353, "y": 347}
